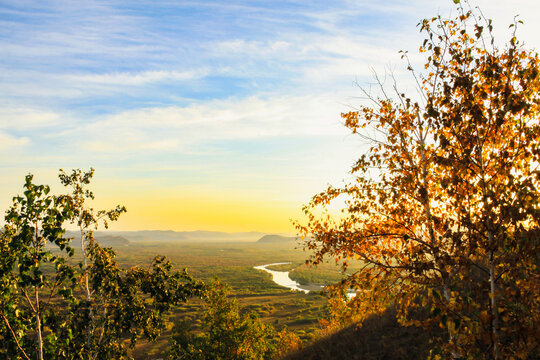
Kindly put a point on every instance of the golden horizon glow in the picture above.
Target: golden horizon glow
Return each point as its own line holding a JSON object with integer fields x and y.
{"x": 183, "y": 211}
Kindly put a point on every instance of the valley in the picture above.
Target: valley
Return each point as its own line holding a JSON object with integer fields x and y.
{"x": 233, "y": 263}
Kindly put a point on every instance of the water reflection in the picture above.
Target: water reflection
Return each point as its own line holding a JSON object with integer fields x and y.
{"x": 282, "y": 277}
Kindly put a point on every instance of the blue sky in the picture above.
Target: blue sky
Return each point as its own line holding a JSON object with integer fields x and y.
{"x": 235, "y": 102}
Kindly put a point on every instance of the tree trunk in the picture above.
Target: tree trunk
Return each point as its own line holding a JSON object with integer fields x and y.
{"x": 38, "y": 325}
{"x": 36, "y": 292}
{"x": 493, "y": 301}
{"x": 88, "y": 294}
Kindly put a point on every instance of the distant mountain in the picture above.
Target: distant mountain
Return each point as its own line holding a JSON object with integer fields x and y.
{"x": 113, "y": 241}
{"x": 103, "y": 239}
{"x": 163, "y": 235}
{"x": 199, "y": 235}
{"x": 277, "y": 239}
{"x": 122, "y": 238}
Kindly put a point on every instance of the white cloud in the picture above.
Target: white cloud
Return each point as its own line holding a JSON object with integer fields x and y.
{"x": 182, "y": 128}
{"x": 252, "y": 48}
{"x": 100, "y": 58}
{"x": 140, "y": 78}
{"x": 27, "y": 118}
{"x": 8, "y": 142}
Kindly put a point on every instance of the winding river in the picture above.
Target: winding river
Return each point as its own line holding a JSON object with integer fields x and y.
{"x": 282, "y": 277}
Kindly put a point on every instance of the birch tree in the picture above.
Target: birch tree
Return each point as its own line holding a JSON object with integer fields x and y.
{"x": 443, "y": 210}
{"x": 55, "y": 307}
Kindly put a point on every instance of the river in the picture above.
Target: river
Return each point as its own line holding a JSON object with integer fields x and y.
{"x": 282, "y": 277}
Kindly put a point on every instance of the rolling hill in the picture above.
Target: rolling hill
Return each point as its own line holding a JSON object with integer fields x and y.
{"x": 277, "y": 239}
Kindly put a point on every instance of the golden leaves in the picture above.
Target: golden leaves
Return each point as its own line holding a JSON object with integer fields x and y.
{"x": 443, "y": 205}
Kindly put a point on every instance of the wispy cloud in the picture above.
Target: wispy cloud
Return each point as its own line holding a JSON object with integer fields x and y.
{"x": 27, "y": 118}
{"x": 136, "y": 79}
{"x": 198, "y": 125}
{"x": 231, "y": 94}
{"x": 10, "y": 142}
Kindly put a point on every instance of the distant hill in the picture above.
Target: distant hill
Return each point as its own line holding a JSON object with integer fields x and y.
{"x": 172, "y": 236}
{"x": 112, "y": 241}
{"x": 124, "y": 238}
{"x": 101, "y": 238}
{"x": 277, "y": 239}
{"x": 162, "y": 235}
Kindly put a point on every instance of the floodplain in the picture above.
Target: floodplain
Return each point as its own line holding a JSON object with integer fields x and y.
{"x": 233, "y": 264}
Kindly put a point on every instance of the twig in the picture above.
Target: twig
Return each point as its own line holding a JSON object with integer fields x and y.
{"x": 14, "y": 337}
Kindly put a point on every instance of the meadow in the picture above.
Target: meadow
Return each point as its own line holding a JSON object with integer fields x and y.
{"x": 232, "y": 263}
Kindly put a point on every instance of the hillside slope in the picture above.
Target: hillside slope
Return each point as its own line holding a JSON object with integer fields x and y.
{"x": 380, "y": 337}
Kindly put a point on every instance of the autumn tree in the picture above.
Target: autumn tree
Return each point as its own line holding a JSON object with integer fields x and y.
{"x": 443, "y": 210}
{"x": 53, "y": 306}
{"x": 226, "y": 333}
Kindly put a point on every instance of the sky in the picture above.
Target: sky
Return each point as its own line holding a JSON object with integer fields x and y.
{"x": 202, "y": 115}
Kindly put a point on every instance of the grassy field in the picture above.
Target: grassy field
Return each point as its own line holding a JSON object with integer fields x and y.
{"x": 233, "y": 264}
